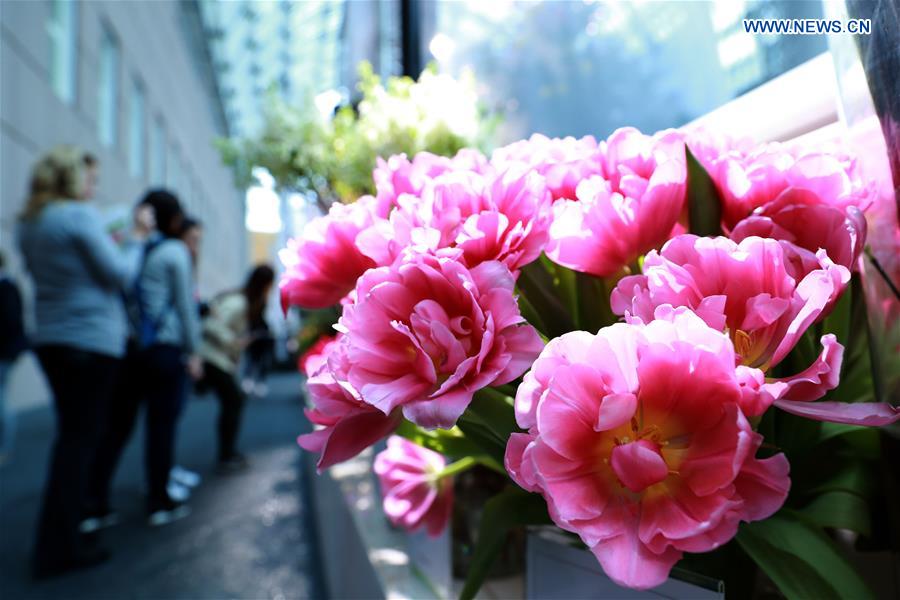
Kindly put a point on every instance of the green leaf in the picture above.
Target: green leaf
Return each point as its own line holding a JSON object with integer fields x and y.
{"x": 531, "y": 314}
{"x": 594, "y": 311}
{"x": 495, "y": 409}
{"x": 481, "y": 434}
{"x": 848, "y": 475}
{"x": 512, "y": 507}
{"x": 451, "y": 443}
{"x": 840, "y": 509}
{"x": 704, "y": 204}
{"x": 802, "y": 561}
{"x": 541, "y": 287}
{"x": 838, "y": 322}
{"x": 828, "y": 431}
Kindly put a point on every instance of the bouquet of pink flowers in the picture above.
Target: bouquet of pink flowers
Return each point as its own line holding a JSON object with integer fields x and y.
{"x": 662, "y": 340}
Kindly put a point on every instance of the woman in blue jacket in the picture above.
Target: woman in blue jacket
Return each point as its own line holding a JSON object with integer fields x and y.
{"x": 79, "y": 274}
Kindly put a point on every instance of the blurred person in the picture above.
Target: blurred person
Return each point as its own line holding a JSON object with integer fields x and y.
{"x": 79, "y": 275}
{"x": 226, "y": 333}
{"x": 258, "y": 357}
{"x": 12, "y": 343}
{"x": 161, "y": 354}
{"x": 191, "y": 233}
{"x": 181, "y": 479}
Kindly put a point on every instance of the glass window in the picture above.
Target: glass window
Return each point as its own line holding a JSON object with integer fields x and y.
{"x": 108, "y": 93}
{"x": 173, "y": 173}
{"x": 158, "y": 152}
{"x": 577, "y": 68}
{"x": 137, "y": 130}
{"x": 63, "y": 30}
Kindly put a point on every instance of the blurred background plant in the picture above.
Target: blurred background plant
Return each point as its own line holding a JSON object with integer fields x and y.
{"x": 328, "y": 147}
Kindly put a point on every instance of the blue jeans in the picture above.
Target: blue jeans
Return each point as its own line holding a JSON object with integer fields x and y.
{"x": 156, "y": 377}
{"x": 82, "y": 383}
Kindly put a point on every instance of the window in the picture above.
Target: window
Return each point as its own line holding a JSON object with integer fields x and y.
{"x": 173, "y": 173}
{"x": 63, "y": 30}
{"x": 577, "y": 68}
{"x": 137, "y": 131}
{"x": 108, "y": 94}
{"x": 158, "y": 152}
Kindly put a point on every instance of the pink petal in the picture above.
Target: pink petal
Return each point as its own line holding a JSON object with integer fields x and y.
{"x": 638, "y": 465}
{"x": 763, "y": 485}
{"x": 630, "y": 563}
{"x": 615, "y": 410}
{"x": 874, "y": 414}
{"x": 442, "y": 411}
{"x": 823, "y": 375}
{"x": 514, "y": 458}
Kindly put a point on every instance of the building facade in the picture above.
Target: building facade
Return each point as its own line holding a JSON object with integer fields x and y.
{"x": 133, "y": 83}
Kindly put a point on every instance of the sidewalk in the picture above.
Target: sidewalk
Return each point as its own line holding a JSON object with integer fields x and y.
{"x": 248, "y": 536}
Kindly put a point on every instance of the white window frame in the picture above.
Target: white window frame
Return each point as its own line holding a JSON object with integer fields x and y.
{"x": 798, "y": 105}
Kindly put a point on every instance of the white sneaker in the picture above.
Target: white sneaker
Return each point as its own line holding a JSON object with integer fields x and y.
{"x": 164, "y": 516}
{"x": 98, "y": 521}
{"x": 178, "y": 492}
{"x": 261, "y": 390}
{"x": 184, "y": 476}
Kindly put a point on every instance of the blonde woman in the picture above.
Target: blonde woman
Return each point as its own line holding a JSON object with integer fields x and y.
{"x": 78, "y": 274}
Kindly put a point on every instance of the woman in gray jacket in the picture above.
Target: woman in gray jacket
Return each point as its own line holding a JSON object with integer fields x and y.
{"x": 78, "y": 275}
{"x": 165, "y": 335}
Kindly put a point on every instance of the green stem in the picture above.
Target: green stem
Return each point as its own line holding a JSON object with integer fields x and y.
{"x": 883, "y": 273}
{"x": 463, "y": 464}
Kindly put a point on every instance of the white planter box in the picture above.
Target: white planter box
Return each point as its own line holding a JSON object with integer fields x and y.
{"x": 557, "y": 570}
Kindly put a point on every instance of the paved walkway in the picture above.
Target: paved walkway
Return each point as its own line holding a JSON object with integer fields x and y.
{"x": 249, "y": 535}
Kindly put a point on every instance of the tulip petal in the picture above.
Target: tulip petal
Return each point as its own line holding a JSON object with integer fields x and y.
{"x": 856, "y": 413}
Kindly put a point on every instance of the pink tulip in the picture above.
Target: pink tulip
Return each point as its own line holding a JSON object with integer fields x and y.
{"x": 630, "y": 209}
{"x": 751, "y": 178}
{"x": 637, "y": 442}
{"x": 317, "y": 355}
{"x": 426, "y": 333}
{"x": 322, "y": 266}
{"x": 414, "y": 494}
{"x": 563, "y": 162}
{"x": 397, "y": 175}
{"x": 346, "y": 424}
{"x": 747, "y": 289}
{"x": 499, "y": 216}
{"x": 809, "y": 224}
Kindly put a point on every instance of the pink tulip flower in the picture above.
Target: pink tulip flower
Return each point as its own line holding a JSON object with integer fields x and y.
{"x": 800, "y": 217}
{"x": 749, "y": 178}
{"x": 638, "y": 444}
{"x": 414, "y": 494}
{"x": 751, "y": 291}
{"x": 317, "y": 355}
{"x": 563, "y": 162}
{"x": 398, "y": 176}
{"x": 499, "y": 216}
{"x": 427, "y": 333}
{"x": 345, "y": 424}
{"x": 629, "y": 209}
{"x": 747, "y": 289}
{"x": 322, "y": 266}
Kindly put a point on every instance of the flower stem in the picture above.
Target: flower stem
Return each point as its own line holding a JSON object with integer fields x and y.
{"x": 883, "y": 273}
{"x": 457, "y": 467}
